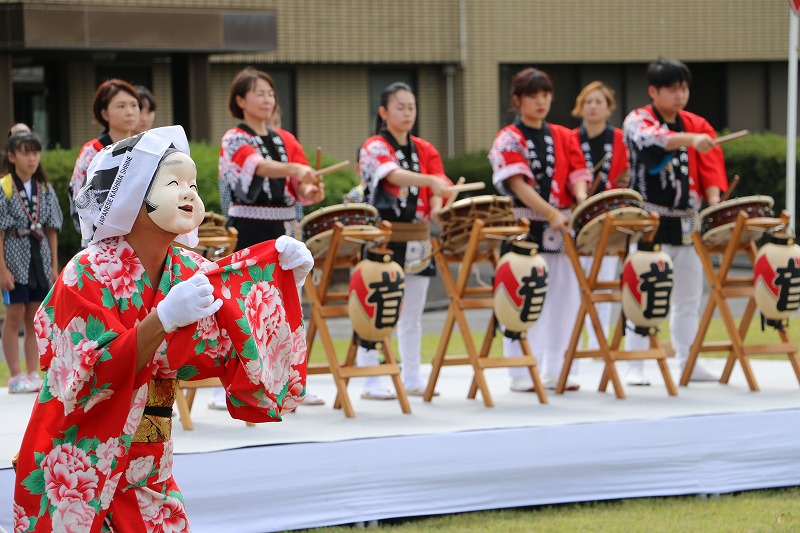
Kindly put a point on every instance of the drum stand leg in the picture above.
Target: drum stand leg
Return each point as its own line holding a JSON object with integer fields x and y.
{"x": 724, "y": 287}
{"x": 459, "y": 303}
{"x": 320, "y": 297}
{"x": 592, "y": 293}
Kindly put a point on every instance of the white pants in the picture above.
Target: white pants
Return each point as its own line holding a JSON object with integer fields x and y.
{"x": 549, "y": 336}
{"x": 684, "y": 305}
{"x": 609, "y": 271}
{"x": 409, "y": 335}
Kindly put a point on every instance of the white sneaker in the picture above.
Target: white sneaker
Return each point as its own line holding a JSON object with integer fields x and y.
{"x": 522, "y": 384}
{"x": 700, "y": 374}
{"x": 218, "y": 406}
{"x": 378, "y": 394}
{"x": 637, "y": 378}
{"x": 551, "y": 382}
{"x": 312, "y": 399}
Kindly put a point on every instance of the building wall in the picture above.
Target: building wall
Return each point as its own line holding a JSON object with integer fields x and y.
{"x": 333, "y": 45}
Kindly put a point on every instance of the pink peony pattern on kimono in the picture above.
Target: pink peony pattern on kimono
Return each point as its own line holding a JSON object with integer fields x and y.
{"x": 265, "y": 400}
{"x": 208, "y": 330}
{"x": 109, "y": 488}
{"x": 161, "y": 514}
{"x": 70, "y": 276}
{"x": 21, "y": 520}
{"x": 165, "y": 464}
{"x": 115, "y": 265}
{"x": 68, "y": 473}
{"x": 106, "y": 453}
{"x": 139, "y": 469}
{"x": 136, "y": 411}
{"x": 98, "y": 397}
{"x": 43, "y": 327}
{"x": 264, "y": 311}
{"x": 296, "y": 382}
{"x": 73, "y": 516}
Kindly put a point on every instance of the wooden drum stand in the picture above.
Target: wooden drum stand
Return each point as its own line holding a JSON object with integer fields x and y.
{"x": 724, "y": 287}
{"x": 593, "y": 292}
{"x": 462, "y": 298}
{"x": 326, "y": 304}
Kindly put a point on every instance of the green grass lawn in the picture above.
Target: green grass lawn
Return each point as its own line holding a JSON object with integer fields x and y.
{"x": 716, "y": 332}
{"x": 753, "y": 511}
{"x": 430, "y": 342}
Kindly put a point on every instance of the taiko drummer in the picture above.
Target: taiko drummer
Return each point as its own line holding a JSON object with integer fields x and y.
{"x": 607, "y": 158}
{"x": 541, "y": 167}
{"x": 404, "y": 179}
{"x": 674, "y": 166}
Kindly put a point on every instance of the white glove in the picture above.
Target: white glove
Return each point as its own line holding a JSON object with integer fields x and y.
{"x": 293, "y": 255}
{"x": 188, "y": 302}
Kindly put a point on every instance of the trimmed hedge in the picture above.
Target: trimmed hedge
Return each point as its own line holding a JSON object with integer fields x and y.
{"x": 759, "y": 159}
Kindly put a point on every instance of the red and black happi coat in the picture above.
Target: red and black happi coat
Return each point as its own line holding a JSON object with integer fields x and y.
{"x": 674, "y": 180}
{"x": 550, "y": 160}
{"x": 380, "y": 156}
{"x": 610, "y": 143}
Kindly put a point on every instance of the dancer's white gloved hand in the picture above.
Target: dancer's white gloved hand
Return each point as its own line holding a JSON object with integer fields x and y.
{"x": 293, "y": 255}
{"x": 188, "y": 302}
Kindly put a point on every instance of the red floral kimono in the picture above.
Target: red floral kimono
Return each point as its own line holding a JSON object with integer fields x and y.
{"x": 83, "y": 465}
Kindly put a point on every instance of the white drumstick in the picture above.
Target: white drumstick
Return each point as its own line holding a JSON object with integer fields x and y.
{"x": 333, "y": 168}
{"x": 476, "y": 186}
{"x": 731, "y": 136}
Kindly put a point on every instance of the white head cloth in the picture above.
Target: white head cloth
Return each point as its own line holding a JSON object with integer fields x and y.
{"x": 118, "y": 179}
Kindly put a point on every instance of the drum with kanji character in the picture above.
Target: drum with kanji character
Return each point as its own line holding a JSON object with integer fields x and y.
{"x": 520, "y": 285}
{"x": 647, "y": 282}
{"x": 776, "y": 274}
{"x": 374, "y": 297}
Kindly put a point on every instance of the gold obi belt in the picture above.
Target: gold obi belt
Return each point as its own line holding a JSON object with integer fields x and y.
{"x": 156, "y": 424}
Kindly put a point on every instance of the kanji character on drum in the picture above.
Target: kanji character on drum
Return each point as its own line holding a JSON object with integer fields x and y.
{"x": 541, "y": 167}
{"x": 607, "y": 157}
{"x": 404, "y": 179}
{"x": 674, "y": 166}
{"x": 263, "y": 172}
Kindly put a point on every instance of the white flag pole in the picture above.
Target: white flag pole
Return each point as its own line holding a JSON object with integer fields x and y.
{"x": 791, "y": 118}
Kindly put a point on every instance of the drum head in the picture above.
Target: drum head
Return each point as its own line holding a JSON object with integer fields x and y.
{"x": 758, "y": 199}
{"x": 719, "y": 237}
{"x": 614, "y": 195}
{"x": 319, "y": 244}
{"x": 589, "y": 236}
{"x": 457, "y": 218}
{"x": 335, "y": 212}
{"x": 718, "y": 221}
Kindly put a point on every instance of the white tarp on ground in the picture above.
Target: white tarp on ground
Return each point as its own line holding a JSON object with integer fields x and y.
{"x": 456, "y": 455}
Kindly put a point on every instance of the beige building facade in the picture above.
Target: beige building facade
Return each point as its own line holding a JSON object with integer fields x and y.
{"x": 330, "y": 60}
